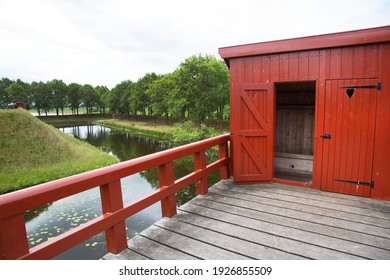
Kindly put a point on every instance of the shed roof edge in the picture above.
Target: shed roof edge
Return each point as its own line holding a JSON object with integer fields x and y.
{"x": 331, "y": 40}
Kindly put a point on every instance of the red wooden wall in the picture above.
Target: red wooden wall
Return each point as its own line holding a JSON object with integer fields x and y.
{"x": 361, "y": 61}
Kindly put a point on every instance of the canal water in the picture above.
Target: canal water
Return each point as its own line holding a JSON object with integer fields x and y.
{"x": 51, "y": 220}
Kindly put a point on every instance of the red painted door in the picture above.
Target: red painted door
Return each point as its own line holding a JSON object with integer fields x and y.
{"x": 253, "y": 130}
{"x": 348, "y": 136}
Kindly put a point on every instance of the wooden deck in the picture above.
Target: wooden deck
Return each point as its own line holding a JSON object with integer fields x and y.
{"x": 267, "y": 221}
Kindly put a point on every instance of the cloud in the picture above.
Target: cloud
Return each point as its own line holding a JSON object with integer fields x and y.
{"x": 103, "y": 42}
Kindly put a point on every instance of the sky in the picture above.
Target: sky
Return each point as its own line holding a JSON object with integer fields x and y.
{"x": 104, "y": 42}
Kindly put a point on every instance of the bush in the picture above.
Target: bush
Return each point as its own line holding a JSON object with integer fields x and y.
{"x": 187, "y": 132}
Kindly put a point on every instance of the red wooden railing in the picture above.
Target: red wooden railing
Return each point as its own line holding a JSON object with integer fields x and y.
{"x": 13, "y": 236}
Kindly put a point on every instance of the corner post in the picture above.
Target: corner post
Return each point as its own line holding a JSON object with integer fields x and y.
{"x": 165, "y": 179}
{"x": 111, "y": 197}
{"x": 199, "y": 165}
{"x": 13, "y": 237}
{"x": 223, "y": 153}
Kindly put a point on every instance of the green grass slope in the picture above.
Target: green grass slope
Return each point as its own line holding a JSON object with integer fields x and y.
{"x": 32, "y": 152}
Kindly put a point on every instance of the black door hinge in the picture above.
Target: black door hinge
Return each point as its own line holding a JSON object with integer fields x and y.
{"x": 370, "y": 184}
{"x": 378, "y": 86}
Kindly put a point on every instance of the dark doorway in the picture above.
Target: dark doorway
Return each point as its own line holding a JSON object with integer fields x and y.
{"x": 294, "y": 130}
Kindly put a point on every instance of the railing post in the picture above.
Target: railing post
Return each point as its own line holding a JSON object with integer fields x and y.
{"x": 199, "y": 165}
{"x": 223, "y": 153}
{"x": 13, "y": 237}
{"x": 111, "y": 197}
{"x": 166, "y": 178}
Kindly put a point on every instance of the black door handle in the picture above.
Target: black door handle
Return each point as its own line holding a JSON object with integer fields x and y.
{"x": 326, "y": 136}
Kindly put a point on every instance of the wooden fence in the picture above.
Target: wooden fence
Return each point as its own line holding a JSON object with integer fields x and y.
{"x": 13, "y": 236}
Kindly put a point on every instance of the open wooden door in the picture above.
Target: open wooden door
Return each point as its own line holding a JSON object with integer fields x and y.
{"x": 252, "y": 132}
{"x": 348, "y": 136}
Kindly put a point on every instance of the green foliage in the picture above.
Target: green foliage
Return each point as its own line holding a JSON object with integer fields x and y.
{"x": 89, "y": 97}
{"x": 74, "y": 97}
{"x": 58, "y": 90}
{"x": 204, "y": 80}
{"x": 186, "y": 132}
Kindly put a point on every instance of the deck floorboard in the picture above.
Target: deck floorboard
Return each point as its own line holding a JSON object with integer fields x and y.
{"x": 267, "y": 221}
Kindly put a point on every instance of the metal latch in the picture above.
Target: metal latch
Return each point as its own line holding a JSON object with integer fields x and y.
{"x": 370, "y": 184}
{"x": 326, "y": 136}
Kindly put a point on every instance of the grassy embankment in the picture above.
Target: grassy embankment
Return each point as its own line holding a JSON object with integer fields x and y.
{"x": 152, "y": 130}
{"x": 32, "y": 152}
{"x": 177, "y": 134}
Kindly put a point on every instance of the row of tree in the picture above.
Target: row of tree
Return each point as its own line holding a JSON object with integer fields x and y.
{"x": 197, "y": 89}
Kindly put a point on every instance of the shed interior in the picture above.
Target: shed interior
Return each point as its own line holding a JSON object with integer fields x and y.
{"x": 294, "y": 132}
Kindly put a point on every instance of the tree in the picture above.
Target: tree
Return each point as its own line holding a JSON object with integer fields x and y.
{"x": 17, "y": 93}
{"x": 41, "y": 95}
{"x": 139, "y": 100}
{"x": 163, "y": 93}
{"x": 89, "y": 97}
{"x": 124, "y": 107}
{"x": 58, "y": 90}
{"x": 74, "y": 97}
{"x": 103, "y": 98}
{"x": 115, "y": 96}
{"x": 5, "y": 99}
{"x": 201, "y": 79}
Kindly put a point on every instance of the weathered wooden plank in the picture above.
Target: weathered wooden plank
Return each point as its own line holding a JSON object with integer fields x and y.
{"x": 268, "y": 234}
{"x": 343, "y": 199}
{"x": 236, "y": 229}
{"x": 155, "y": 250}
{"x": 315, "y": 195}
{"x": 333, "y": 209}
{"x": 189, "y": 245}
{"x": 327, "y": 242}
{"x": 332, "y": 217}
{"x": 220, "y": 238}
{"x": 125, "y": 255}
{"x": 312, "y": 225}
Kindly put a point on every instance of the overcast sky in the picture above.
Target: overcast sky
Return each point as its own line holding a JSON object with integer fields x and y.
{"x": 104, "y": 42}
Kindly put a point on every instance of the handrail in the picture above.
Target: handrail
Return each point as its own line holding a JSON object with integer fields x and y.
{"x": 13, "y": 237}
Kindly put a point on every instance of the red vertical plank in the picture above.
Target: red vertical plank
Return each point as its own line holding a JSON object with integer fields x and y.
{"x": 257, "y": 70}
{"x": 248, "y": 74}
{"x": 199, "y": 165}
{"x": 328, "y": 156}
{"x": 111, "y": 197}
{"x": 303, "y": 65}
{"x": 266, "y": 69}
{"x": 166, "y": 178}
{"x": 224, "y": 153}
{"x": 283, "y": 67}
{"x": 293, "y": 73}
{"x": 274, "y": 68}
{"x": 319, "y": 118}
{"x": 313, "y": 65}
{"x": 372, "y": 61}
{"x": 359, "y": 62}
{"x": 344, "y": 143}
{"x": 334, "y": 66}
{"x": 347, "y": 63}
{"x": 338, "y": 134}
{"x": 240, "y": 70}
{"x": 350, "y": 165}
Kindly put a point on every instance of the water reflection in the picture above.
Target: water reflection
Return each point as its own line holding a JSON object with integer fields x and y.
{"x": 60, "y": 216}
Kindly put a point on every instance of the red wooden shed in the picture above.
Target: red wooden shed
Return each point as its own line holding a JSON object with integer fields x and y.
{"x": 313, "y": 111}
